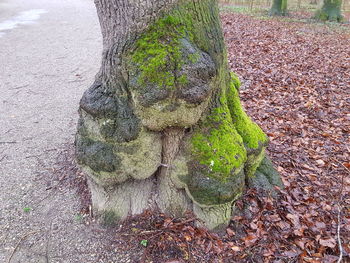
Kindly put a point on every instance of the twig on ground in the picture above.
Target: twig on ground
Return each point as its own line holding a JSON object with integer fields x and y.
{"x": 346, "y": 168}
{"x": 338, "y": 236}
{"x": 19, "y": 242}
{"x": 339, "y": 212}
{"x": 8, "y": 142}
{"x": 146, "y": 232}
{"x": 157, "y": 231}
{"x": 186, "y": 221}
{"x": 47, "y": 249}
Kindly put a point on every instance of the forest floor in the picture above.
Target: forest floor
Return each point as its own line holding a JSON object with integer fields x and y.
{"x": 296, "y": 86}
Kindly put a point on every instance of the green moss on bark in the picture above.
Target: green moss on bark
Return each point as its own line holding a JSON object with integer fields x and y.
{"x": 228, "y": 147}
{"x": 218, "y": 146}
{"x": 235, "y": 81}
{"x": 226, "y": 135}
{"x": 330, "y": 11}
{"x": 158, "y": 52}
{"x": 279, "y": 8}
{"x": 252, "y": 135}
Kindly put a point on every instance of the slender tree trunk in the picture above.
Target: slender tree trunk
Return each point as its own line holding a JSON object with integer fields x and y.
{"x": 251, "y": 4}
{"x": 162, "y": 127}
{"x": 279, "y": 8}
{"x": 330, "y": 11}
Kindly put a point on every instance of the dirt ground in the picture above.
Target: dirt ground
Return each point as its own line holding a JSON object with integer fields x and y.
{"x": 45, "y": 66}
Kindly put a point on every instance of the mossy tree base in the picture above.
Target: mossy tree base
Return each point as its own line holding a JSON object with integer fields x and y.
{"x": 330, "y": 11}
{"x": 162, "y": 127}
{"x": 279, "y": 8}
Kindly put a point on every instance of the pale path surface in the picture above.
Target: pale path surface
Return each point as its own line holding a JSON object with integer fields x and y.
{"x": 45, "y": 66}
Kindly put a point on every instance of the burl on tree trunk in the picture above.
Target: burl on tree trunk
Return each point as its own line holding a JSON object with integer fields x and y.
{"x": 330, "y": 11}
{"x": 162, "y": 126}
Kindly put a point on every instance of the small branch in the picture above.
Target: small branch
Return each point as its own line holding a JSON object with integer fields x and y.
{"x": 339, "y": 211}
{"x": 8, "y": 142}
{"x": 146, "y": 232}
{"x": 338, "y": 237}
{"x": 186, "y": 221}
{"x": 19, "y": 242}
{"x": 162, "y": 230}
{"x": 346, "y": 168}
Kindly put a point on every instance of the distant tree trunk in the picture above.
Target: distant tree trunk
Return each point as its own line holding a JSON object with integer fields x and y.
{"x": 279, "y": 8}
{"x": 330, "y": 11}
{"x": 162, "y": 126}
{"x": 268, "y": 3}
{"x": 251, "y": 5}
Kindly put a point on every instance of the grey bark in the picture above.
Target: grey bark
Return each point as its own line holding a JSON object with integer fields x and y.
{"x": 134, "y": 139}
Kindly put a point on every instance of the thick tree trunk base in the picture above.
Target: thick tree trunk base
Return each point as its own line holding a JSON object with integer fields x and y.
{"x": 276, "y": 12}
{"x": 332, "y": 16}
{"x": 162, "y": 128}
{"x": 279, "y": 8}
{"x": 330, "y": 11}
{"x": 112, "y": 205}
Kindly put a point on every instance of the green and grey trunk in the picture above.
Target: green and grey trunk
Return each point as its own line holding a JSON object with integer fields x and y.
{"x": 330, "y": 11}
{"x": 279, "y": 8}
{"x": 162, "y": 126}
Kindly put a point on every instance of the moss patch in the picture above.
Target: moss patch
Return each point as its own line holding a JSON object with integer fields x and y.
{"x": 227, "y": 146}
{"x": 99, "y": 156}
{"x": 330, "y": 11}
{"x": 252, "y": 135}
{"x": 218, "y": 145}
{"x": 235, "y": 80}
{"x": 158, "y": 52}
{"x": 110, "y": 218}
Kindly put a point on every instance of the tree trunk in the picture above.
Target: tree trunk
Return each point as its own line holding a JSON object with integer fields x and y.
{"x": 330, "y": 11}
{"x": 251, "y": 5}
{"x": 162, "y": 126}
{"x": 279, "y": 8}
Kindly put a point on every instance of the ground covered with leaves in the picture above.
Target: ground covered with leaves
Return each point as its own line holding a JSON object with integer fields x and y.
{"x": 296, "y": 84}
{"x": 297, "y": 88}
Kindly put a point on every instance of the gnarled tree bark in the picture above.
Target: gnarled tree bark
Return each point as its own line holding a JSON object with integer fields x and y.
{"x": 162, "y": 126}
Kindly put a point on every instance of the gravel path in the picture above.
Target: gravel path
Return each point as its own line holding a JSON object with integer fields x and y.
{"x": 45, "y": 66}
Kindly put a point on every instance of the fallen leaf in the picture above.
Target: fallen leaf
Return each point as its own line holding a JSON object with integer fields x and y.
{"x": 330, "y": 242}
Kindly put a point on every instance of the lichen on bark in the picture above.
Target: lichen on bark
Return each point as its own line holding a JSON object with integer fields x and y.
{"x": 162, "y": 127}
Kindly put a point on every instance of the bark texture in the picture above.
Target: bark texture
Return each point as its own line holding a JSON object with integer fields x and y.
{"x": 279, "y": 8}
{"x": 162, "y": 126}
{"x": 330, "y": 11}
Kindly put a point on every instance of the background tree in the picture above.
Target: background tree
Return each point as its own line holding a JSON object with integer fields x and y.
{"x": 278, "y": 8}
{"x": 162, "y": 126}
{"x": 330, "y": 11}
